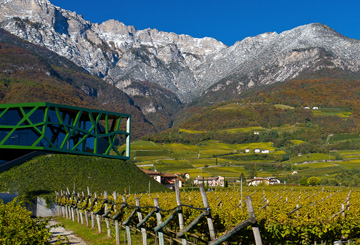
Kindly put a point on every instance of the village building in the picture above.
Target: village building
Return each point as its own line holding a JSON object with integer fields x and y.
{"x": 166, "y": 179}
{"x": 259, "y": 180}
{"x": 154, "y": 174}
{"x": 257, "y": 150}
{"x": 210, "y": 181}
{"x": 247, "y": 150}
{"x": 183, "y": 175}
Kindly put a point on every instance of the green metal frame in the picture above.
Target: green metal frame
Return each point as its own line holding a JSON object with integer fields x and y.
{"x": 66, "y": 129}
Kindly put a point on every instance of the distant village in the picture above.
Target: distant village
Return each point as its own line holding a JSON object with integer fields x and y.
{"x": 169, "y": 179}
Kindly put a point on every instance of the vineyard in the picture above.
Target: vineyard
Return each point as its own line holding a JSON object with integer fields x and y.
{"x": 286, "y": 215}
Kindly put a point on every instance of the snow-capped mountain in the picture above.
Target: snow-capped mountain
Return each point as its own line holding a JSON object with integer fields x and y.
{"x": 186, "y": 66}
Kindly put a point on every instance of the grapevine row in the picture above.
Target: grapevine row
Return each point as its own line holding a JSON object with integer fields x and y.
{"x": 284, "y": 215}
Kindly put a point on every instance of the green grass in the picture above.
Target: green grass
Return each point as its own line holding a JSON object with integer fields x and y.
{"x": 86, "y": 233}
{"x": 93, "y": 237}
{"x": 321, "y": 171}
{"x": 340, "y": 112}
{"x": 354, "y": 164}
{"x": 195, "y": 172}
{"x": 149, "y": 158}
{"x": 284, "y": 106}
{"x": 342, "y": 137}
{"x": 189, "y": 131}
{"x": 226, "y": 171}
{"x": 145, "y": 146}
{"x": 172, "y": 165}
{"x": 287, "y": 128}
{"x": 244, "y": 130}
{"x": 232, "y": 106}
{"x": 311, "y": 157}
{"x": 297, "y": 142}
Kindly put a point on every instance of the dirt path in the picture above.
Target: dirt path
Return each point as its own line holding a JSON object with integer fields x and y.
{"x": 63, "y": 232}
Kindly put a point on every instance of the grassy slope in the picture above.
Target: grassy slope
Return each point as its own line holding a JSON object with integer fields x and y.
{"x": 49, "y": 173}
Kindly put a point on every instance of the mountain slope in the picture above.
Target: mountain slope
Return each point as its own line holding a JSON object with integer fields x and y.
{"x": 271, "y": 58}
{"x": 111, "y": 49}
{"x": 29, "y": 73}
{"x": 162, "y": 71}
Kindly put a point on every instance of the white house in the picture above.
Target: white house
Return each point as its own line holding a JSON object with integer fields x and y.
{"x": 156, "y": 175}
{"x": 306, "y": 108}
{"x": 315, "y": 108}
{"x": 265, "y": 151}
{"x": 256, "y": 132}
{"x": 211, "y": 181}
{"x": 166, "y": 179}
{"x": 259, "y": 180}
{"x": 247, "y": 150}
{"x": 257, "y": 150}
{"x": 183, "y": 175}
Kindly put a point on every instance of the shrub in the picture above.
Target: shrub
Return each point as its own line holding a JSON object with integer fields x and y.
{"x": 17, "y": 226}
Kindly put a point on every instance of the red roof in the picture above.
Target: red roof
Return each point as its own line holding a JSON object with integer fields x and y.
{"x": 150, "y": 172}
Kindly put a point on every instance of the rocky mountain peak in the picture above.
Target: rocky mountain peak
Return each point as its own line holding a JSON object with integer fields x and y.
{"x": 184, "y": 65}
{"x": 111, "y": 50}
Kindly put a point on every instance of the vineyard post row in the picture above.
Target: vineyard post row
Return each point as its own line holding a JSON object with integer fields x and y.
{"x": 90, "y": 205}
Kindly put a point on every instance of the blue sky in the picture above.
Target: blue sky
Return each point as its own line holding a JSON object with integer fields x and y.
{"x": 225, "y": 20}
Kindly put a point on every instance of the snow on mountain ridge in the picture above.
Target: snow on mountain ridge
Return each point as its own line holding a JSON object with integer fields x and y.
{"x": 185, "y": 65}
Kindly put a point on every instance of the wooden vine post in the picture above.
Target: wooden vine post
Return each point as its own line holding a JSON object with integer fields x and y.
{"x": 88, "y": 199}
{"x": 117, "y": 228}
{"x": 255, "y": 227}
{"x": 209, "y": 219}
{"x": 92, "y": 213}
{"x": 180, "y": 213}
{"x": 106, "y": 217}
{"x": 158, "y": 218}
{"x": 143, "y": 230}
{"x": 127, "y": 227}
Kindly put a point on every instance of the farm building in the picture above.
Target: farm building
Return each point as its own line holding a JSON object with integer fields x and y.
{"x": 30, "y": 129}
{"x": 183, "y": 175}
{"x": 259, "y": 180}
{"x": 154, "y": 174}
{"x": 164, "y": 178}
{"x": 211, "y": 181}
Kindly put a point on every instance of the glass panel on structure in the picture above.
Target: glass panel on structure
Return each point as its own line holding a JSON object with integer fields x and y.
{"x": 22, "y": 137}
{"x": 4, "y": 133}
{"x": 102, "y": 145}
{"x": 89, "y": 144}
{"x": 52, "y": 117}
{"x": 11, "y": 117}
{"x": 37, "y": 116}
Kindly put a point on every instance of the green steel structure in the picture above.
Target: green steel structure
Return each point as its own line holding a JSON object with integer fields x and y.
{"x": 41, "y": 126}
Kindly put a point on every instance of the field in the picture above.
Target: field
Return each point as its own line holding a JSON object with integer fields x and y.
{"x": 340, "y": 112}
{"x": 213, "y": 158}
